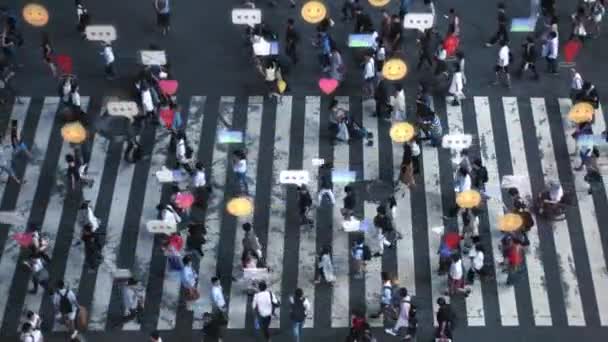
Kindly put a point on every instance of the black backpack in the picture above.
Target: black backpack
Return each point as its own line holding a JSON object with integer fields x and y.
{"x": 65, "y": 305}
{"x": 298, "y": 311}
{"x": 367, "y": 253}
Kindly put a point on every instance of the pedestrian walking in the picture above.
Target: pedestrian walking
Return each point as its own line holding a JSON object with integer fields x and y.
{"x": 299, "y": 307}
{"x": 369, "y": 76}
{"x": 199, "y": 183}
{"x": 292, "y": 38}
{"x": 336, "y": 65}
{"x": 196, "y": 237}
{"x": 445, "y": 320}
{"x": 456, "y": 277}
{"x": 40, "y": 276}
{"x": 132, "y": 300}
{"x": 251, "y": 242}
{"x": 163, "y": 15}
{"x": 502, "y": 32}
{"x": 480, "y": 175}
{"x": 30, "y": 334}
{"x": 386, "y": 297}
{"x": 578, "y": 24}
{"x": 406, "y": 315}
{"x": 348, "y": 9}
{"x": 84, "y": 19}
{"x": 397, "y": 104}
{"x": 189, "y": 281}
{"x": 17, "y": 142}
{"x": 457, "y": 86}
{"x": 219, "y": 309}
{"x": 133, "y": 152}
{"x": 382, "y": 99}
{"x": 551, "y": 52}
{"x": 360, "y": 254}
{"x": 529, "y": 56}
{"x": 406, "y": 173}
{"x": 501, "y": 70}
{"x": 304, "y": 204}
{"x": 598, "y": 9}
{"x": 86, "y": 216}
{"x": 477, "y": 264}
{"x": 66, "y": 307}
{"x": 239, "y": 167}
{"x": 155, "y": 337}
{"x": 108, "y": 57}
{"x": 92, "y": 247}
{"x": 576, "y": 84}
{"x": 326, "y": 187}
{"x": 395, "y": 35}
{"x": 515, "y": 259}
{"x": 425, "y": 48}
{"x": 453, "y": 23}
{"x": 48, "y": 55}
{"x": 460, "y": 59}
{"x": 350, "y": 201}
{"x": 263, "y": 304}
{"x": 325, "y": 267}
{"x": 33, "y": 319}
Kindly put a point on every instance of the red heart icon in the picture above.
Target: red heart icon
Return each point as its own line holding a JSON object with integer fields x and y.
{"x": 168, "y": 87}
{"x": 328, "y": 85}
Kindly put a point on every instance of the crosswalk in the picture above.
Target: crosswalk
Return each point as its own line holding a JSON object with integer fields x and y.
{"x": 530, "y": 137}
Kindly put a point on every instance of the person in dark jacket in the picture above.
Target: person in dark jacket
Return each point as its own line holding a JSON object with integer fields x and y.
{"x": 363, "y": 22}
{"x": 502, "y": 32}
{"x": 304, "y": 204}
{"x": 529, "y": 56}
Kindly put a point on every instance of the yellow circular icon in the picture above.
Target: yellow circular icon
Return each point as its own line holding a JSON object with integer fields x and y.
{"x": 314, "y": 11}
{"x": 468, "y": 199}
{"x": 35, "y": 15}
{"x": 240, "y": 206}
{"x": 74, "y": 132}
{"x": 581, "y": 112}
{"x": 510, "y": 222}
{"x": 401, "y": 132}
{"x": 379, "y": 3}
{"x": 394, "y": 69}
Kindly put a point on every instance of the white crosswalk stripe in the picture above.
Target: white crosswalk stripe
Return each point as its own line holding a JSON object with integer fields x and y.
{"x": 492, "y": 119}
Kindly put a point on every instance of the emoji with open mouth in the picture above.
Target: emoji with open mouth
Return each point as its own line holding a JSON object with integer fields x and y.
{"x": 314, "y": 11}
{"x": 394, "y": 69}
{"x": 379, "y": 3}
{"x": 35, "y": 15}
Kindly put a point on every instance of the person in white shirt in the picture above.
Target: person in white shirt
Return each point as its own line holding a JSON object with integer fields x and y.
{"x": 170, "y": 216}
{"x": 239, "y": 168}
{"x": 218, "y": 302}
{"x": 146, "y": 101}
{"x": 463, "y": 180}
{"x": 66, "y": 307}
{"x": 29, "y": 334}
{"x": 33, "y": 319}
{"x": 108, "y": 56}
{"x": 40, "y": 276}
{"x": 182, "y": 154}
{"x": 404, "y": 313}
{"x": 551, "y": 52}
{"x": 456, "y": 277}
{"x": 369, "y": 76}
{"x": 189, "y": 281}
{"x": 477, "y": 257}
{"x": 457, "y": 85}
{"x": 398, "y": 103}
{"x": 502, "y": 65}
{"x": 155, "y": 337}
{"x": 576, "y": 83}
{"x": 263, "y": 305}
{"x": 199, "y": 181}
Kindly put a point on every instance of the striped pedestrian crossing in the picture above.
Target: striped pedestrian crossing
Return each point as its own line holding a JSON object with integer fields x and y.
{"x": 527, "y": 137}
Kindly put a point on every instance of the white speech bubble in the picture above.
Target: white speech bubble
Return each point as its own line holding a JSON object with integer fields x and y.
{"x": 160, "y": 227}
{"x": 297, "y": 177}
{"x": 127, "y": 109}
{"x": 418, "y": 21}
{"x": 153, "y": 57}
{"x": 246, "y": 16}
{"x": 457, "y": 142}
{"x": 102, "y": 33}
{"x": 122, "y": 274}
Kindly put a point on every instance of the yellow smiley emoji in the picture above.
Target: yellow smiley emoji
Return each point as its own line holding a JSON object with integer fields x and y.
{"x": 581, "y": 112}
{"x": 314, "y": 12}
{"x": 394, "y": 69}
{"x": 35, "y": 15}
{"x": 379, "y": 3}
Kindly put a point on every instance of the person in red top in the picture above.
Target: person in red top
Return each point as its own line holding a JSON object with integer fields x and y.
{"x": 515, "y": 257}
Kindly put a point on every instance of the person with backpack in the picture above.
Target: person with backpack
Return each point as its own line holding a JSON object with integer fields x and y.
{"x": 360, "y": 253}
{"x": 30, "y": 334}
{"x": 92, "y": 247}
{"x": 264, "y": 304}
{"x": 66, "y": 307}
{"x": 40, "y": 276}
{"x": 251, "y": 242}
{"x": 386, "y": 295}
{"x": 299, "y": 310}
{"x": 445, "y": 320}
{"x": 405, "y": 310}
{"x": 163, "y": 15}
{"x": 480, "y": 175}
{"x": 304, "y": 204}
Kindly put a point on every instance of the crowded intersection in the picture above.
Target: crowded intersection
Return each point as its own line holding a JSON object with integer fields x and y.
{"x": 303, "y": 170}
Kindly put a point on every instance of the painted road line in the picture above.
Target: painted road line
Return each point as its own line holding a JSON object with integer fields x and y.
{"x": 563, "y": 246}
{"x": 171, "y": 283}
{"x": 213, "y": 220}
{"x": 152, "y": 196}
{"x": 27, "y": 191}
{"x": 340, "y": 311}
{"x": 487, "y": 149}
{"x": 434, "y": 213}
{"x": 275, "y": 250}
{"x": 536, "y": 269}
{"x": 587, "y": 211}
{"x": 308, "y": 236}
{"x": 371, "y": 172}
{"x": 237, "y": 309}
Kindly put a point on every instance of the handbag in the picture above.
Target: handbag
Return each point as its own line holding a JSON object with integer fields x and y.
{"x": 192, "y": 294}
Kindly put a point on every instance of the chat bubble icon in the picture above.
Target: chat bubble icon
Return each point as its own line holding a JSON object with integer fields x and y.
{"x": 100, "y": 33}
{"x": 318, "y": 161}
{"x": 457, "y": 142}
{"x": 297, "y": 177}
{"x": 418, "y": 21}
{"x": 523, "y": 24}
{"x": 246, "y": 16}
{"x": 152, "y": 57}
{"x": 343, "y": 176}
{"x": 127, "y": 109}
{"x": 361, "y": 40}
{"x": 229, "y": 137}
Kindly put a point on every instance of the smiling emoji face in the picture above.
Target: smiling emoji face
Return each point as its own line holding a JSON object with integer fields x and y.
{"x": 394, "y": 69}
{"x": 581, "y": 112}
{"x": 35, "y": 15}
{"x": 314, "y": 11}
{"x": 379, "y": 3}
